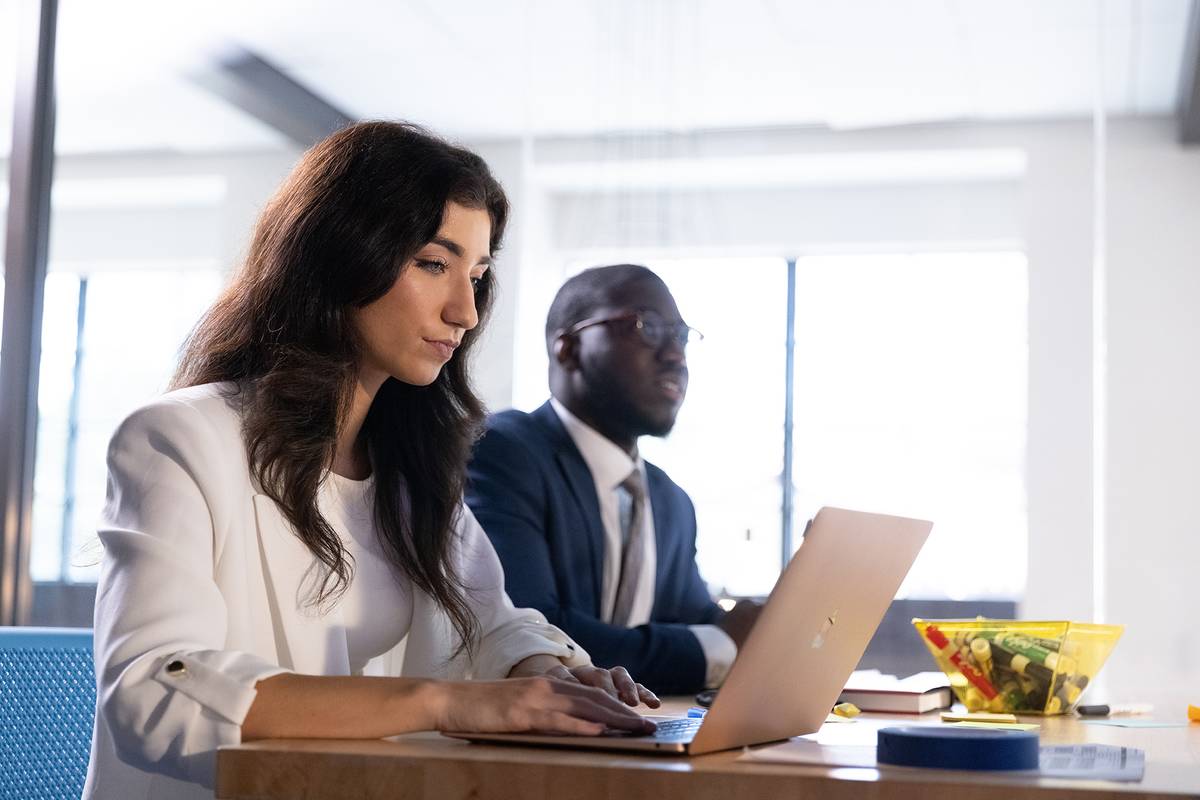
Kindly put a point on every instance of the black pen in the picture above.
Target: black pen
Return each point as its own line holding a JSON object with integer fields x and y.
{"x": 1105, "y": 710}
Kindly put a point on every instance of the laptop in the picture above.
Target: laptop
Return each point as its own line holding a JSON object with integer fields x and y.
{"x": 808, "y": 638}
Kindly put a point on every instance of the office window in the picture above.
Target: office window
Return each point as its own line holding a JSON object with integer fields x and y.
{"x": 55, "y": 467}
{"x": 910, "y": 398}
{"x": 110, "y": 342}
{"x": 727, "y": 447}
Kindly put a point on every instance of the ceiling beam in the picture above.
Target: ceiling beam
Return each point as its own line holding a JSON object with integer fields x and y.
{"x": 1189, "y": 82}
{"x": 262, "y": 90}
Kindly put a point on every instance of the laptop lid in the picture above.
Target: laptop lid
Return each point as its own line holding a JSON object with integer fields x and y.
{"x": 814, "y": 628}
{"x": 808, "y": 638}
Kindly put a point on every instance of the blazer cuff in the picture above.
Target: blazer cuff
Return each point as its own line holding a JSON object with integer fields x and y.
{"x": 719, "y": 652}
{"x": 504, "y": 648}
{"x": 222, "y": 681}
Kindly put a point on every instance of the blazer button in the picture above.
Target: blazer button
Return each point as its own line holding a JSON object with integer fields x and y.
{"x": 177, "y": 669}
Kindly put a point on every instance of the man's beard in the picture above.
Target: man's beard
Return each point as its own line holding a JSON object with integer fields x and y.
{"x": 611, "y": 404}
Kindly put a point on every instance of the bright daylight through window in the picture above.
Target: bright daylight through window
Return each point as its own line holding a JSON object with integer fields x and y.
{"x": 96, "y": 365}
{"x": 910, "y": 398}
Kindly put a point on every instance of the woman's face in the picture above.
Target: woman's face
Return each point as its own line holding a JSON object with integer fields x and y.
{"x": 412, "y": 331}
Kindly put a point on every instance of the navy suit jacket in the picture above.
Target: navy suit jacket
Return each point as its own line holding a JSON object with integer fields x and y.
{"x": 533, "y": 494}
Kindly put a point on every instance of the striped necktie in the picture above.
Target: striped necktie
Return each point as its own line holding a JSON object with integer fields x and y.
{"x": 633, "y": 504}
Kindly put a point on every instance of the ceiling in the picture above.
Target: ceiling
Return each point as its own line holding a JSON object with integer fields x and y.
{"x": 490, "y": 68}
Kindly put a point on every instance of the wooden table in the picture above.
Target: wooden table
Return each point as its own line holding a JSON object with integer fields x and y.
{"x": 429, "y": 766}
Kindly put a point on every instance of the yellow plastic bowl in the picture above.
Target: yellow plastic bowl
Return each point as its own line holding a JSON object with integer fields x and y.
{"x": 1018, "y": 666}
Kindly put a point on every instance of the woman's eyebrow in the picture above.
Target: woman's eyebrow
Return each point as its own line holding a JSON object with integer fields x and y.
{"x": 455, "y": 248}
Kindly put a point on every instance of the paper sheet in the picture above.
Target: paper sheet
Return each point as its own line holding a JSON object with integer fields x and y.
{"x": 798, "y": 751}
{"x": 1099, "y": 762}
{"x": 1087, "y": 761}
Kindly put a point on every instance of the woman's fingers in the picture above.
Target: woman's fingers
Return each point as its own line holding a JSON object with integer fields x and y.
{"x": 648, "y": 697}
{"x": 562, "y": 722}
{"x": 599, "y": 678}
{"x": 611, "y": 713}
{"x": 542, "y": 703}
{"x": 627, "y": 690}
{"x": 597, "y": 705}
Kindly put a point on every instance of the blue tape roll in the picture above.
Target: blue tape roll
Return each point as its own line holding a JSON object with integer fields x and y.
{"x": 957, "y": 748}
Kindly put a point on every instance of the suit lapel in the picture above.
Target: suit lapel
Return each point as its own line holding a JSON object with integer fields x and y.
{"x": 315, "y": 643}
{"x": 583, "y": 489}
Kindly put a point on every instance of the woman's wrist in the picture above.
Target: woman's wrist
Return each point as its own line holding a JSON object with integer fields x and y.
{"x": 424, "y": 703}
{"x": 534, "y": 666}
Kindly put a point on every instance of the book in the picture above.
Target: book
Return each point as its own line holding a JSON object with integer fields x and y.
{"x": 871, "y": 690}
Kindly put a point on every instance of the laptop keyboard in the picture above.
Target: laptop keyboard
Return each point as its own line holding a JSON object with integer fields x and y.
{"x": 680, "y": 729}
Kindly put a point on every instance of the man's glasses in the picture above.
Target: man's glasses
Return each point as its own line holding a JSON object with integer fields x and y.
{"x": 652, "y": 329}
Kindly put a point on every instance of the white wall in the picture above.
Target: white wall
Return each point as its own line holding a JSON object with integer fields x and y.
{"x": 164, "y": 228}
{"x": 1154, "y": 410}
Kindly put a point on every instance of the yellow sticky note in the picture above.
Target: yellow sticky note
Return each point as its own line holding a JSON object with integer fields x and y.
{"x": 1194, "y": 713}
{"x": 848, "y": 710}
{"x": 1004, "y": 726}
{"x": 979, "y": 716}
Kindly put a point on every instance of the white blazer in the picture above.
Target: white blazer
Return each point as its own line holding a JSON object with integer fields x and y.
{"x": 201, "y": 596}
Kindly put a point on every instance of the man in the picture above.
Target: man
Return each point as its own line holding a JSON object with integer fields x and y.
{"x": 600, "y": 541}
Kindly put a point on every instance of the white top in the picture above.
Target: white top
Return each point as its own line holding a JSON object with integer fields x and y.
{"x": 201, "y": 596}
{"x": 610, "y": 465}
{"x": 377, "y": 605}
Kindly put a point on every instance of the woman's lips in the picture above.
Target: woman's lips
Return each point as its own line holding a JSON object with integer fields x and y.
{"x": 443, "y": 347}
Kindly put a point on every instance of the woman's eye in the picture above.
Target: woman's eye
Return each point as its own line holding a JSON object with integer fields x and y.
{"x": 477, "y": 283}
{"x": 436, "y": 267}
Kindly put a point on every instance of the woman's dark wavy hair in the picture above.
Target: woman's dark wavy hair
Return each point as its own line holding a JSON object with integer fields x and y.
{"x": 335, "y": 237}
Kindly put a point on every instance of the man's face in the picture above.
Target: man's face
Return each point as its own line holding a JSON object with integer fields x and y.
{"x": 632, "y": 384}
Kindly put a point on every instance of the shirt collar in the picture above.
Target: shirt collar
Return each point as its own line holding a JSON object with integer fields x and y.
{"x": 608, "y": 463}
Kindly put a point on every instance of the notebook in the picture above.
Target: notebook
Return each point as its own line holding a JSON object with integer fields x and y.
{"x": 871, "y": 690}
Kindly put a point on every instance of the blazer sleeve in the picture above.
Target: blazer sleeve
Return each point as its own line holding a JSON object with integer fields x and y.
{"x": 508, "y": 635}
{"x": 166, "y": 688}
{"x": 508, "y": 492}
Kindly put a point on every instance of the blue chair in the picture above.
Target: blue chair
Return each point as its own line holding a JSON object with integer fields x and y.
{"x": 47, "y": 704}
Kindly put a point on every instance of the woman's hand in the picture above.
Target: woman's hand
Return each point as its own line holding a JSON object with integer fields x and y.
{"x": 543, "y": 704}
{"x": 616, "y": 681}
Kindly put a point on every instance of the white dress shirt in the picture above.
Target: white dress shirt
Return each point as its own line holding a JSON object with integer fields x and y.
{"x": 610, "y": 465}
{"x": 348, "y": 506}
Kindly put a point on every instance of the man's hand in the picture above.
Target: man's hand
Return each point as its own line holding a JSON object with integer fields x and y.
{"x": 738, "y": 621}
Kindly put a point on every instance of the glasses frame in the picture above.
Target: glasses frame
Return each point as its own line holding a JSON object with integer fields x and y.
{"x": 680, "y": 332}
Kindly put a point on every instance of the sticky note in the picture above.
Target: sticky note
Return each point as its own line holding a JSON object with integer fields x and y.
{"x": 1004, "y": 726}
{"x": 979, "y": 716}
{"x": 848, "y": 710}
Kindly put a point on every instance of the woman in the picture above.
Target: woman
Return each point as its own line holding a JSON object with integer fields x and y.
{"x": 280, "y": 522}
